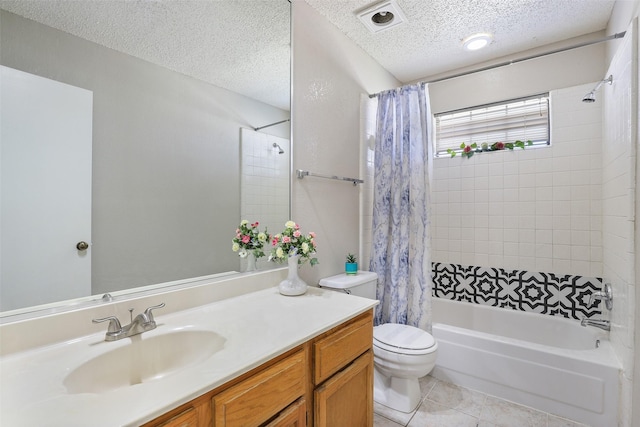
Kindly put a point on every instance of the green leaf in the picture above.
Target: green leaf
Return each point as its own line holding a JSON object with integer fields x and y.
{"x": 474, "y": 145}
{"x": 508, "y": 145}
{"x": 529, "y": 142}
{"x": 313, "y": 261}
{"x": 462, "y": 145}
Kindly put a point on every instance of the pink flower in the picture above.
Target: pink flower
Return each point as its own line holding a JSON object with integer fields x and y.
{"x": 246, "y": 239}
{"x": 286, "y": 239}
{"x": 274, "y": 241}
{"x": 466, "y": 149}
{"x": 254, "y": 225}
{"x": 499, "y": 145}
{"x": 312, "y": 234}
{"x": 297, "y": 233}
{"x": 297, "y": 227}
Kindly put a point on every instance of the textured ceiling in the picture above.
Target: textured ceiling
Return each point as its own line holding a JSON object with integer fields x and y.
{"x": 243, "y": 45}
{"x": 238, "y": 45}
{"x": 430, "y": 41}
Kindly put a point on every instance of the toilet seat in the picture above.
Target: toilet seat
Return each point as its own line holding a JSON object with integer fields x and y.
{"x": 403, "y": 339}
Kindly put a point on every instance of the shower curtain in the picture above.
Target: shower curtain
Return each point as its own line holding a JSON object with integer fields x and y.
{"x": 401, "y": 230}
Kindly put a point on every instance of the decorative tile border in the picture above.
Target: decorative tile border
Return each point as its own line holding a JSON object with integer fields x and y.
{"x": 544, "y": 293}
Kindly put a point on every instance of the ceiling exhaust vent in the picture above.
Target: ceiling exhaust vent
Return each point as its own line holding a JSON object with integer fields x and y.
{"x": 381, "y": 16}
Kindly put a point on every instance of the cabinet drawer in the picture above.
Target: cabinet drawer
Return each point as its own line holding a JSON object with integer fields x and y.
{"x": 260, "y": 397}
{"x": 338, "y": 349}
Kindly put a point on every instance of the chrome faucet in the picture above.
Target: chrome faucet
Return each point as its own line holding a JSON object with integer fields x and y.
{"x": 143, "y": 322}
{"x": 605, "y": 295}
{"x": 598, "y": 323}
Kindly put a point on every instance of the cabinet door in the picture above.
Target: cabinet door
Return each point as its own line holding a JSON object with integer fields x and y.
{"x": 346, "y": 399}
{"x": 257, "y": 399}
{"x": 294, "y": 416}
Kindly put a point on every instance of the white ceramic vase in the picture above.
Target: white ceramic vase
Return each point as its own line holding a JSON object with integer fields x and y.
{"x": 292, "y": 285}
{"x": 251, "y": 262}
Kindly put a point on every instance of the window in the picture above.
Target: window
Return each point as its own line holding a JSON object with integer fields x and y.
{"x": 523, "y": 119}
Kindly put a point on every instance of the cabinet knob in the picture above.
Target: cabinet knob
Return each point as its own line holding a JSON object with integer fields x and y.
{"x": 82, "y": 246}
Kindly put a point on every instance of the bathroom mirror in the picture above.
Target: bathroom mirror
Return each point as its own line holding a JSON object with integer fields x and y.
{"x": 174, "y": 85}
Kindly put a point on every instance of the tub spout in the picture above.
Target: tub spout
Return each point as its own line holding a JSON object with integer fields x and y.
{"x": 598, "y": 323}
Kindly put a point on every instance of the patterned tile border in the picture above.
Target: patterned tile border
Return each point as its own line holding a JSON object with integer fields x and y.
{"x": 544, "y": 293}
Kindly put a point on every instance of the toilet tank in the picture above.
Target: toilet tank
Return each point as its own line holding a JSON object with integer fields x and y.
{"x": 362, "y": 284}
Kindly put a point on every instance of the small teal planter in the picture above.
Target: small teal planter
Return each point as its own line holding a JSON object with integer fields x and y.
{"x": 351, "y": 268}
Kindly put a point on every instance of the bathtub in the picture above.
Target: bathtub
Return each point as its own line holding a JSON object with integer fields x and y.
{"x": 546, "y": 362}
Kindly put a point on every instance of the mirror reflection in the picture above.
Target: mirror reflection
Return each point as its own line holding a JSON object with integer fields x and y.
{"x": 149, "y": 110}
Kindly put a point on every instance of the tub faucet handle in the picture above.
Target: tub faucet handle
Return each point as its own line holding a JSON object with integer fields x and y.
{"x": 606, "y": 295}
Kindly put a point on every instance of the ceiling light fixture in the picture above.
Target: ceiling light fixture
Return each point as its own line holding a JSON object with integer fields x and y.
{"x": 477, "y": 41}
{"x": 381, "y": 16}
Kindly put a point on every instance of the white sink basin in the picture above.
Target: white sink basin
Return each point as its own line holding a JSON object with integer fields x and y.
{"x": 143, "y": 360}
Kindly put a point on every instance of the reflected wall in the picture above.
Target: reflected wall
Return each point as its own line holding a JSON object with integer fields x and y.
{"x": 166, "y": 156}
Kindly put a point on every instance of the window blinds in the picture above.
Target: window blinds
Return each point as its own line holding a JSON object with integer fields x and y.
{"x": 522, "y": 119}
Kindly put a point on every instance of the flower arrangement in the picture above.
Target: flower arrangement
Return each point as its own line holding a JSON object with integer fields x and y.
{"x": 249, "y": 239}
{"x": 292, "y": 242}
{"x": 469, "y": 150}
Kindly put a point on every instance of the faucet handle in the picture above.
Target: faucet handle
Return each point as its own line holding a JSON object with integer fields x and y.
{"x": 606, "y": 295}
{"x": 148, "y": 313}
{"x": 114, "y": 324}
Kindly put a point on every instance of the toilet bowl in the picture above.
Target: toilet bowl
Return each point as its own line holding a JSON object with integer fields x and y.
{"x": 401, "y": 354}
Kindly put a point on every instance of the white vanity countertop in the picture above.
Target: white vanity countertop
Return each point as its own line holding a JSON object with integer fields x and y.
{"x": 257, "y": 327}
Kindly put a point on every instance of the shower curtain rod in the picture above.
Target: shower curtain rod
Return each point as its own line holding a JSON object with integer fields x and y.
{"x": 515, "y": 61}
{"x": 272, "y": 124}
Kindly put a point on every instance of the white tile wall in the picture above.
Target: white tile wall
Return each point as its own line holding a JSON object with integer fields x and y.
{"x": 538, "y": 209}
{"x": 618, "y": 206}
{"x": 264, "y": 180}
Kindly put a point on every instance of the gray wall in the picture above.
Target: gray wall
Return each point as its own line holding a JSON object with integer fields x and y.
{"x": 166, "y": 188}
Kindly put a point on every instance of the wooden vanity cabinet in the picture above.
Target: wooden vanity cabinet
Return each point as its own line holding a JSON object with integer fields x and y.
{"x": 325, "y": 382}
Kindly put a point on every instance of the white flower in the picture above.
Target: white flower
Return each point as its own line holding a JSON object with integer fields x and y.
{"x": 235, "y": 247}
{"x": 244, "y": 222}
{"x": 262, "y": 237}
{"x": 243, "y": 253}
{"x": 290, "y": 224}
{"x": 279, "y": 253}
{"x": 305, "y": 247}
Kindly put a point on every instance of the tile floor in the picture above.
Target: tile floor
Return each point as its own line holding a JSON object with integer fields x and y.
{"x": 448, "y": 405}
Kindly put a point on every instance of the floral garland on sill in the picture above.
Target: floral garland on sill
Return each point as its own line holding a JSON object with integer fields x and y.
{"x": 469, "y": 150}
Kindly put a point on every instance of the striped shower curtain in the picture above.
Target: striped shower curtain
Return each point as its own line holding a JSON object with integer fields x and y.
{"x": 401, "y": 221}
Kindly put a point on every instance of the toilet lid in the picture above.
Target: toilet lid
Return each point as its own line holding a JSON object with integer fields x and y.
{"x": 394, "y": 337}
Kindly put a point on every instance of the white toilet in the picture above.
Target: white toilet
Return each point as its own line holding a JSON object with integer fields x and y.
{"x": 401, "y": 353}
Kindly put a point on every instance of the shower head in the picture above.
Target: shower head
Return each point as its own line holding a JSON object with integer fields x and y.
{"x": 280, "y": 150}
{"x": 591, "y": 96}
